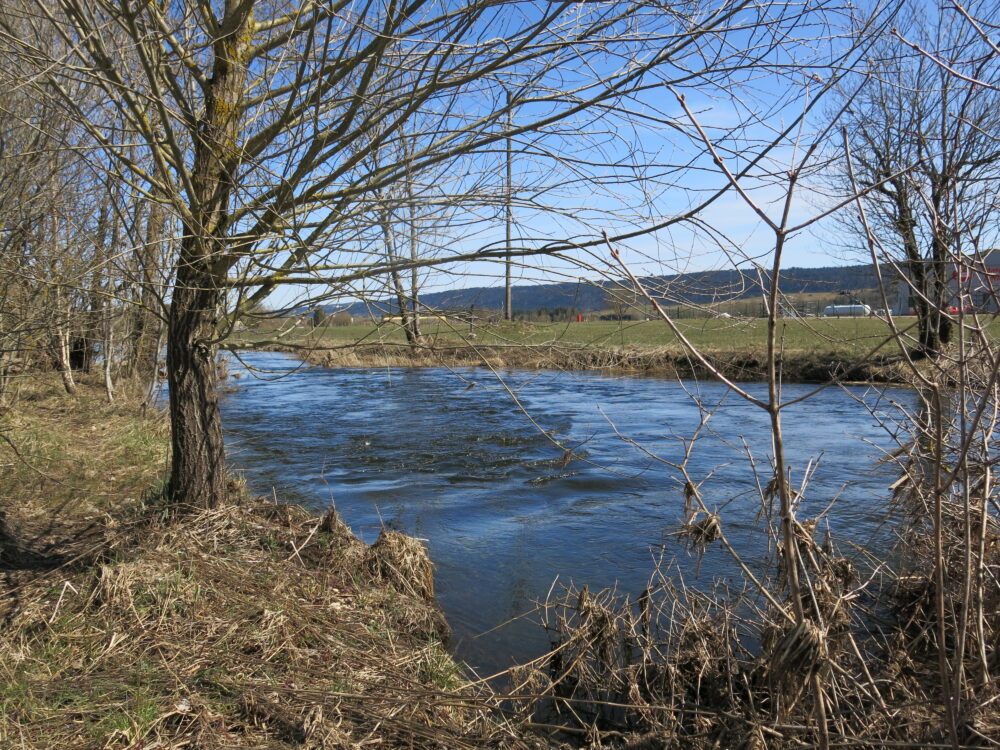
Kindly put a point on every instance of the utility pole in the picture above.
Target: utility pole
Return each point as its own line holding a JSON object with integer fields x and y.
{"x": 508, "y": 311}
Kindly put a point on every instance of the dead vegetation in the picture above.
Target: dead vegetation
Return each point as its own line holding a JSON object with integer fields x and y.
{"x": 254, "y": 625}
{"x": 896, "y": 653}
{"x": 677, "y": 668}
{"x": 740, "y": 366}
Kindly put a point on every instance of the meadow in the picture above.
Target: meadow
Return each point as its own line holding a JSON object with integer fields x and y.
{"x": 836, "y": 338}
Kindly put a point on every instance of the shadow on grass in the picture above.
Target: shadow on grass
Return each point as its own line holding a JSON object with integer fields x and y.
{"x": 44, "y": 544}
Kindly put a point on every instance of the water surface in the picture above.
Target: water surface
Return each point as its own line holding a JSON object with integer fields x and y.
{"x": 452, "y": 457}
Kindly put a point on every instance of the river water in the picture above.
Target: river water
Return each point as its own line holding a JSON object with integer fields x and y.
{"x": 467, "y": 462}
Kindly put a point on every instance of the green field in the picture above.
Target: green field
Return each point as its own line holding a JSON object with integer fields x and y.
{"x": 834, "y": 337}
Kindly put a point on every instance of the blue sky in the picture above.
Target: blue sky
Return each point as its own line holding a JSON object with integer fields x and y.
{"x": 741, "y": 112}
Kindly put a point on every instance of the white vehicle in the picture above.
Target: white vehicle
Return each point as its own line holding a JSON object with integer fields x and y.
{"x": 847, "y": 311}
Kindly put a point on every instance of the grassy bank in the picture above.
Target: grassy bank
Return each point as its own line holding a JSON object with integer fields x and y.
{"x": 842, "y": 338}
{"x": 128, "y": 625}
{"x": 812, "y": 350}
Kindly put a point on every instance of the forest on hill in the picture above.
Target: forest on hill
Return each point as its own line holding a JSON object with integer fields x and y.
{"x": 695, "y": 288}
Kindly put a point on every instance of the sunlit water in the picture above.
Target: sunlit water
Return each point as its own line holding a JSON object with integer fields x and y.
{"x": 450, "y": 457}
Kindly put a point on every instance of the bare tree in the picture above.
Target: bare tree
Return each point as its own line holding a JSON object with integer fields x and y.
{"x": 71, "y": 281}
{"x": 249, "y": 120}
{"x": 924, "y": 144}
{"x": 45, "y": 245}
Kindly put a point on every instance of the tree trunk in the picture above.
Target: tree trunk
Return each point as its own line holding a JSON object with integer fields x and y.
{"x": 508, "y": 303}
{"x": 198, "y": 472}
{"x": 941, "y": 242}
{"x": 407, "y": 317}
{"x": 924, "y": 278}
{"x": 62, "y": 360}
{"x": 108, "y": 347}
{"x": 4, "y": 379}
{"x": 415, "y": 335}
{"x": 147, "y": 324}
{"x": 102, "y": 305}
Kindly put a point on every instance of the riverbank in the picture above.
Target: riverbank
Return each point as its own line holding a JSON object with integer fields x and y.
{"x": 255, "y": 624}
{"x": 259, "y": 625}
{"x": 811, "y": 350}
{"x": 736, "y": 365}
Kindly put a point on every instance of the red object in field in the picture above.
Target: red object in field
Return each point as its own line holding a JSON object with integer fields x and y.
{"x": 579, "y": 318}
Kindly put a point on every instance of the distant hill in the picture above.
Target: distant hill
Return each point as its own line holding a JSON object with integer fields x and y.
{"x": 700, "y": 287}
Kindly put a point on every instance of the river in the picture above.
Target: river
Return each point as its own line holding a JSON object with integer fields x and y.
{"x": 452, "y": 457}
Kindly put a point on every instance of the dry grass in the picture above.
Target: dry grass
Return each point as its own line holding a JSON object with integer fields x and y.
{"x": 81, "y": 452}
{"x": 680, "y": 669}
{"x": 250, "y": 626}
{"x": 254, "y": 625}
{"x": 835, "y": 338}
{"x": 738, "y": 365}
{"x": 67, "y": 463}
